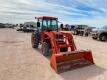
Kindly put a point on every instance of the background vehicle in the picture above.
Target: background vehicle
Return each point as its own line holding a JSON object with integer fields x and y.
{"x": 2, "y": 25}
{"x": 59, "y": 45}
{"x": 82, "y": 30}
{"x": 100, "y": 33}
{"x": 9, "y": 25}
{"x": 29, "y": 26}
{"x": 19, "y": 27}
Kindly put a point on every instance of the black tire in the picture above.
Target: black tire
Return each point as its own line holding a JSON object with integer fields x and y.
{"x": 35, "y": 44}
{"x": 75, "y": 32}
{"x": 94, "y": 38}
{"x": 17, "y": 30}
{"x": 81, "y": 33}
{"x": 103, "y": 37}
{"x": 46, "y": 50}
{"x": 86, "y": 34}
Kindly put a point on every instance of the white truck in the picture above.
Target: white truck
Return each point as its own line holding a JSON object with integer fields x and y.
{"x": 100, "y": 33}
{"x": 29, "y": 26}
{"x": 19, "y": 27}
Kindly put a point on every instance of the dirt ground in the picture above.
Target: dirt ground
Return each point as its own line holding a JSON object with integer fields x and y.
{"x": 18, "y": 61}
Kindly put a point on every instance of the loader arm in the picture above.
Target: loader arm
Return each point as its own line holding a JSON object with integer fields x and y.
{"x": 53, "y": 40}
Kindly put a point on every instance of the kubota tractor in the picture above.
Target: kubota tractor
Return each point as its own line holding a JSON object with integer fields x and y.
{"x": 60, "y": 45}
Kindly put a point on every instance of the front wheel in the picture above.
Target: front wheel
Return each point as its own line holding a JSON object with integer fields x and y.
{"x": 94, "y": 38}
{"x": 103, "y": 37}
{"x": 46, "y": 50}
{"x": 35, "y": 44}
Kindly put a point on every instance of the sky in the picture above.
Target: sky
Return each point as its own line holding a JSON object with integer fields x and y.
{"x": 89, "y": 12}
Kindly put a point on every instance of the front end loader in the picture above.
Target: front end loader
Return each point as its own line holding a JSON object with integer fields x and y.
{"x": 59, "y": 45}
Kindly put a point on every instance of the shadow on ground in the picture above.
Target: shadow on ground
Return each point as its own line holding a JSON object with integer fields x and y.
{"x": 83, "y": 73}
{"x": 40, "y": 51}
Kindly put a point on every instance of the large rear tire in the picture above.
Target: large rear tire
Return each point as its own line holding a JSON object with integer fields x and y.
{"x": 35, "y": 44}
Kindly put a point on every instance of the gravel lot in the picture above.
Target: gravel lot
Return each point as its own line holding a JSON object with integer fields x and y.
{"x": 18, "y": 61}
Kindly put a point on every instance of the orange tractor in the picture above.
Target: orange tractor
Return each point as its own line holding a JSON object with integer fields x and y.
{"x": 60, "y": 45}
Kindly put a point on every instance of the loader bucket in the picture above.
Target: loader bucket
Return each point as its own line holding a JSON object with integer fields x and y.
{"x": 65, "y": 61}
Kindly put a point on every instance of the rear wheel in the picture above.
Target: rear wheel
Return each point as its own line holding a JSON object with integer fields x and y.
{"x": 103, "y": 37}
{"x": 46, "y": 50}
{"x": 35, "y": 44}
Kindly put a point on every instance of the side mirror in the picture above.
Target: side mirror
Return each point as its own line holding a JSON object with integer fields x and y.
{"x": 38, "y": 24}
{"x": 61, "y": 26}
